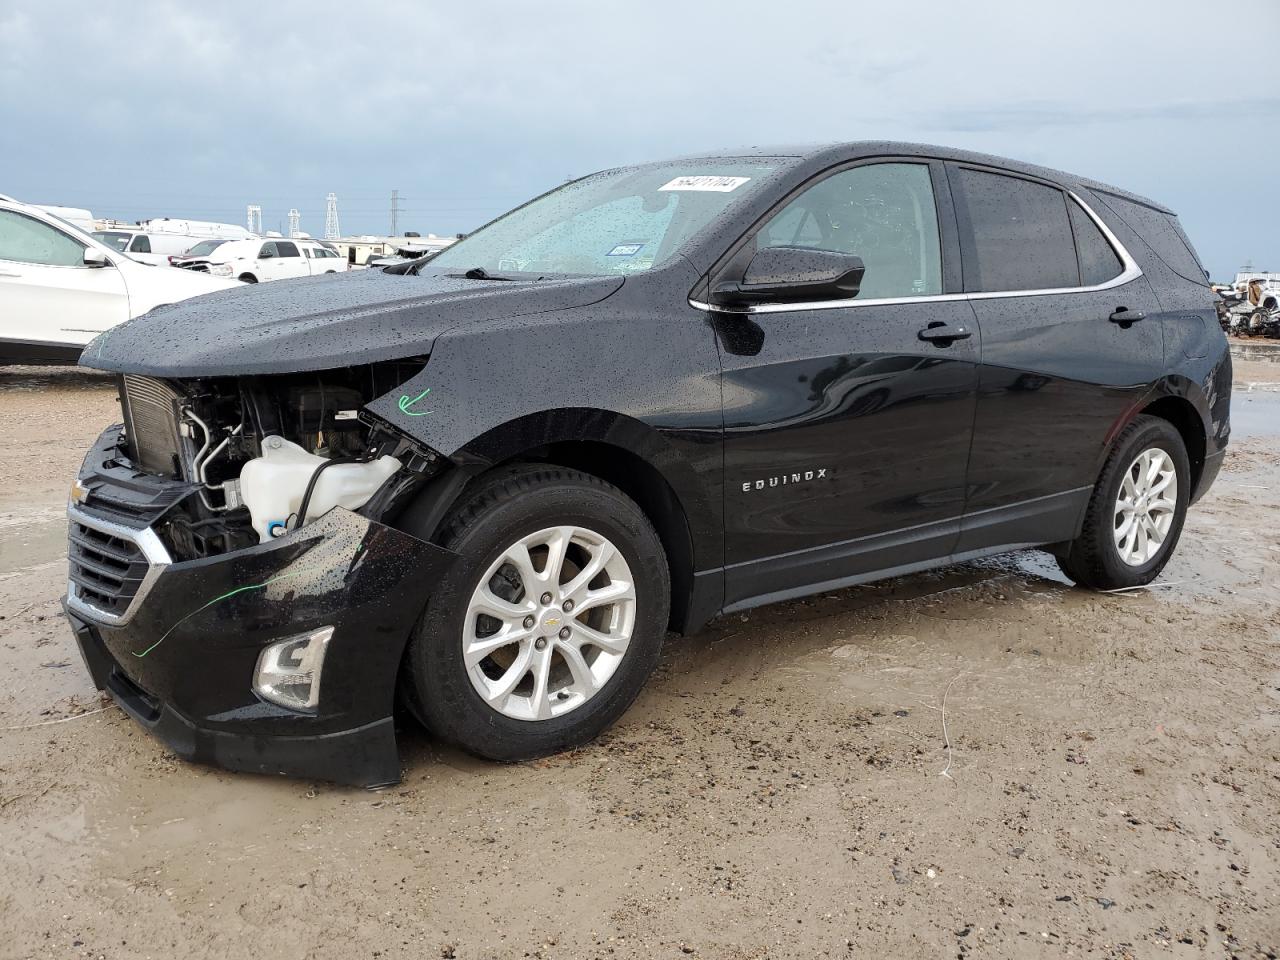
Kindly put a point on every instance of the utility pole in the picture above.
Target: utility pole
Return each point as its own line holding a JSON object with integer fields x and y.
{"x": 395, "y": 213}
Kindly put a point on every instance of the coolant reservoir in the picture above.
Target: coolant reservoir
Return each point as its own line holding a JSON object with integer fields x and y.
{"x": 273, "y": 485}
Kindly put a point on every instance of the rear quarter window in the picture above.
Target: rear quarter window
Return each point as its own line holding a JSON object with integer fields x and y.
{"x": 1161, "y": 232}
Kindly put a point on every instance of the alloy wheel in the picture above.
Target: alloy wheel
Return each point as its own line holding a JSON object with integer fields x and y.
{"x": 1146, "y": 506}
{"x": 549, "y": 623}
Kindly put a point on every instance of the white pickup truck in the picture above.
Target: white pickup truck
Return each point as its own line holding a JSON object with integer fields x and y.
{"x": 267, "y": 258}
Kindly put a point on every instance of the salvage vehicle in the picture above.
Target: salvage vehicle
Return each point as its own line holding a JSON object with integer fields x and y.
{"x": 60, "y": 287}
{"x": 271, "y": 258}
{"x": 486, "y": 484}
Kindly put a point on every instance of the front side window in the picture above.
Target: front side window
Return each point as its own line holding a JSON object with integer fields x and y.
{"x": 286, "y": 249}
{"x": 141, "y": 244}
{"x": 1017, "y": 234}
{"x": 1098, "y": 260}
{"x": 615, "y": 222}
{"x": 268, "y": 250}
{"x": 883, "y": 213}
{"x": 26, "y": 240}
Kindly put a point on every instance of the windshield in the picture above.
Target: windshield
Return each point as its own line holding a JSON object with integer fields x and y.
{"x": 615, "y": 222}
{"x": 115, "y": 239}
{"x": 204, "y": 248}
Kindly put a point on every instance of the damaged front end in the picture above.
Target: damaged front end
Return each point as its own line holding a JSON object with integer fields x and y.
{"x": 235, "y": 580}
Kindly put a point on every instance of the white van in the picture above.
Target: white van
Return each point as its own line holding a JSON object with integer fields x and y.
{"x": 158, "y": 248}
{"x": 60, "y": 288}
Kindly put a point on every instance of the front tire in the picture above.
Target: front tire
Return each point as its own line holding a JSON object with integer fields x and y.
{"x": 1136, "y": 511}
{"x": 544, "y": 631}
{"x": 247, "y": 278}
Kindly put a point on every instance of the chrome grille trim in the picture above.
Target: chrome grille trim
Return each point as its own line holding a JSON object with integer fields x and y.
{"x": 148, "y": 545}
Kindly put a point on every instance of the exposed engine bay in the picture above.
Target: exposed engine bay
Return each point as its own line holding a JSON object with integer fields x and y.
{"x": 263, "y": 455}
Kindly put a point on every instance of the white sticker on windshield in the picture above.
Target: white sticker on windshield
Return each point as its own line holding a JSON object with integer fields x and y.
{"x": 712, "y": 183}
{"x": 625, "y": 250}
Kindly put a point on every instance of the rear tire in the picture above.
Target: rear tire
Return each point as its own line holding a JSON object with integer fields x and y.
{"x": 572, "y": 689}
{"x": 1132, "y": 523}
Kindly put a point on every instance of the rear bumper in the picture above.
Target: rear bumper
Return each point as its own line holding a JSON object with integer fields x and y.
{"x": 182, "y": 663}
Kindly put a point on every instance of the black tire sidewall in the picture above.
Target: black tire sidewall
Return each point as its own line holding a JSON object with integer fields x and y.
{"x": 445, "y": 698}
{"x": 1151, "y": 433}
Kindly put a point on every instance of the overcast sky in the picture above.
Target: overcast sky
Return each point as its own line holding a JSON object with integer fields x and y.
{"x": 137, "y": 109}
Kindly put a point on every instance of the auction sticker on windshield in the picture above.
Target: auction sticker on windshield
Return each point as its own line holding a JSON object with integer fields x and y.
{"x": 712, "y": 183}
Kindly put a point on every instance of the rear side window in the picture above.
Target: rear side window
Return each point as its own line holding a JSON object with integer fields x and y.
{"x": 287, "y": 249}
{"x": 1016, "y": 234}
{"x": 140, "y": 244}
{"x": 1162, "y": 233}
{"x": 883, "y": 213}
{"x": 1098, "y": 260}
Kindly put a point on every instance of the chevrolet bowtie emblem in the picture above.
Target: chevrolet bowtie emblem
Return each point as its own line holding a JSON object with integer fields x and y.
{"x": 551, "y": 621}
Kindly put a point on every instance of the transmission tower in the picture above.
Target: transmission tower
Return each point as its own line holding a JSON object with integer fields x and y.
{"x": 395, "y": 213}
{"x": 254, "y": 218}
{"x": 295, "y": 221}
{"x": 331, "y": 230}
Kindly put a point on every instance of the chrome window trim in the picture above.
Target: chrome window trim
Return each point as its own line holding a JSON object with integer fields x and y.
{"x": 146, "y": 540}
{"x": 1130, "y": 272}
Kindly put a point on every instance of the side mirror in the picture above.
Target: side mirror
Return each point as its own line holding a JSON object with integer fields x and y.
{"x": 265, "y": 255}
{"x": 793, "y": 274}
{"x": 93, "y": 257}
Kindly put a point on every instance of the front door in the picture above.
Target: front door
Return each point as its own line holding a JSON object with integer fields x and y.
{"x": 847, "y": 424}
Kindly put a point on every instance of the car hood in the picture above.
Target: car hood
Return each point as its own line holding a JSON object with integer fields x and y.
{"x": 319, "y": 323}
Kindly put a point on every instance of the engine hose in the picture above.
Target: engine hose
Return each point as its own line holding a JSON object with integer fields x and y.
{"x": 311, "y": 484}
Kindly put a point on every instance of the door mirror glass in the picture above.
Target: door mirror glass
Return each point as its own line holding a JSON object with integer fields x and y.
{"x": 93, "y": 257}
{"x": 794, "y": 274}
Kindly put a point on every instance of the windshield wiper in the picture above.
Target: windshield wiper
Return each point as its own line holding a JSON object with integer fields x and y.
{"x": 480, "y": 273}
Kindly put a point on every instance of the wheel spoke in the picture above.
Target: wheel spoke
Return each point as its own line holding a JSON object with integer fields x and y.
{"x": 600, "y": 557}
{"x": 611, "y": 593}
{"x": 1162, "y": 506}
{"x": 584, "y": 634}
{"x": 1140, "y": 541}
{"x": 557, "y": 547}
{"x": 584, "y": 681}
{"x": 541, "y": 698}
{"x": 1129, "y": 491}
{"x": 499, "y": 690}
{"x": 487, "y": 602}
{"x": 480, "y": 647}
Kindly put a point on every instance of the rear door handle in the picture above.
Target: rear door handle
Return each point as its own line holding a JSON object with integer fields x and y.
{"x": 944, "y": 333}
{"x": 1124, "y": 316}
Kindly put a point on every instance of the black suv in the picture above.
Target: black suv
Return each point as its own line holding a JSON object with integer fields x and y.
{"x": 486, "y": 483}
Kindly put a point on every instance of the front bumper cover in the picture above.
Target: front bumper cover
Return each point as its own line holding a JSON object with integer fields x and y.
{"x": 182, "y": 664}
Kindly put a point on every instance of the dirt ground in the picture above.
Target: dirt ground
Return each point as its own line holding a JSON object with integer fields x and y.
{"x": 782, "y": 788}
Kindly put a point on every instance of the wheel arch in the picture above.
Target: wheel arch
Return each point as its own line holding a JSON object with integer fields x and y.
{"x": 1186, "y": 419}
{"x": 620, "y": 450}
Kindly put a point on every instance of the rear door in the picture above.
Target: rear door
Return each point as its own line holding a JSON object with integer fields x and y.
{"x": 291, "y": 262}
{"x": 49, "y": 296}
{"x": 847, "y": 423}
{"x": 1062, "y": 369}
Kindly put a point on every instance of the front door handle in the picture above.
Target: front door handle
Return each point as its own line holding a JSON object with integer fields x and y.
{"x": 6, "y": 273}
{"x": 944, "y": 333}
{"x": 1124, "y": 316}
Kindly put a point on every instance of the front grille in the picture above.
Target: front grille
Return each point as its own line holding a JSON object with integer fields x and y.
{"x": 111, "y": 566}
{"x": 105, "y": 570}
{"x": 151, "y": 425}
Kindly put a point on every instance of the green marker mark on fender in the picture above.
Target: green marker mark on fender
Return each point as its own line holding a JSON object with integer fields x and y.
{"x": 406, "y": 403}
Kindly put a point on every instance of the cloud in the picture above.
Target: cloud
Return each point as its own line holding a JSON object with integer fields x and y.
{"x": 152, "y": 108}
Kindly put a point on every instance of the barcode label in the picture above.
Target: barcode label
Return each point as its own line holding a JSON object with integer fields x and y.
{"x": 714, "y": 184}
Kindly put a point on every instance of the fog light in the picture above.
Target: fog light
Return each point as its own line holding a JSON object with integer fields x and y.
{"x": 288, "y": 672}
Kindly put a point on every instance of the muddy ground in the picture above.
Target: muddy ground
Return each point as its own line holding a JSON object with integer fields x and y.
{"x": 782, "y": 788}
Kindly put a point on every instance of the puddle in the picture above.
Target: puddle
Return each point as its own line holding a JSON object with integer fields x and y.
{"x": 31, "y": 541}
{"x": 1255, "y": 415}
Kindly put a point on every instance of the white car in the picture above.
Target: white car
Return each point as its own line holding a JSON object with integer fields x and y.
{"x": 268, "y": 258}
{"x": 60, "y": 288}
